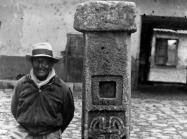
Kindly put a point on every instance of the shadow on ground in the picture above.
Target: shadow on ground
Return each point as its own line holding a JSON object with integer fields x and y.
{"x": 168, "y": 92}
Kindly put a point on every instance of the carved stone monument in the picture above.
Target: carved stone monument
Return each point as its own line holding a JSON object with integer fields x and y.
{"x": 107, "y": 26}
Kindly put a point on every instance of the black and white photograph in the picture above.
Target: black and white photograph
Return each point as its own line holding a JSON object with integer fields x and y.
{"x": 93, "y": 69}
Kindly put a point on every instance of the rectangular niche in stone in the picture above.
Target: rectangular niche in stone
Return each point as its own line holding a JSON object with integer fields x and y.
{"x": 107, "y": 90}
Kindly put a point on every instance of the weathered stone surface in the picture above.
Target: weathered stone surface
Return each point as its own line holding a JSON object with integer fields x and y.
{"x": 105, "y": 15}
{"x": 106, "y": 62}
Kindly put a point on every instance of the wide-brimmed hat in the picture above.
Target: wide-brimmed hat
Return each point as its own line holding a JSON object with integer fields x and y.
{"x": 43, "y": 49}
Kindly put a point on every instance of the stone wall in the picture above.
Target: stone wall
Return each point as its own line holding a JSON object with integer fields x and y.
{"x": 15, "y": 67}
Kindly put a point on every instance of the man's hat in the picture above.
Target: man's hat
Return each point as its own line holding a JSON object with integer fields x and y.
{"x": 43, "y": 49}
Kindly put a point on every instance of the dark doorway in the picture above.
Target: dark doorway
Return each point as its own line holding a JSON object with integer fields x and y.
{"x": 164, "y": 56}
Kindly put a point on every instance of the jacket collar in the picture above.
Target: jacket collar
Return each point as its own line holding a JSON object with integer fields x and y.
{"x": 55, "y": 80}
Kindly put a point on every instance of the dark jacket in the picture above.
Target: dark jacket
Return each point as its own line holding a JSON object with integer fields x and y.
{"x": 45, "y": 110}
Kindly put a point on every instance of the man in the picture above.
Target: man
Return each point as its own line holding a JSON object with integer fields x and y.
{"x": 42, "y": 104}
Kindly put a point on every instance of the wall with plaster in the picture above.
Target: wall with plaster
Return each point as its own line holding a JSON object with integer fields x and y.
{"x": 25, "y": 22}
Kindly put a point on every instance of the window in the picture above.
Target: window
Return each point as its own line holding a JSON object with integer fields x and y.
{"x": 166, "y": 52}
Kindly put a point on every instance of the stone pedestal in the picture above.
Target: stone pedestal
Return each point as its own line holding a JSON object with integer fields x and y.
{"x": 107, "y": 26}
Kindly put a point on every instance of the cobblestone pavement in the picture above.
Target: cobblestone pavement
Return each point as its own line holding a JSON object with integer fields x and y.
{"x": 151, "y": 118}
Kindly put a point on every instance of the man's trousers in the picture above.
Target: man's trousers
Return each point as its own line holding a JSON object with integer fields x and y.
{"x": 20, "y": 133}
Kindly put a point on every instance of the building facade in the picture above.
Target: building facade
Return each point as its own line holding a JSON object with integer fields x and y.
{"x": 25, "y": 22}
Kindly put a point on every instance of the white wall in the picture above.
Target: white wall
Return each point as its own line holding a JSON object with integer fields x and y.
{"x": 25, "y": 22}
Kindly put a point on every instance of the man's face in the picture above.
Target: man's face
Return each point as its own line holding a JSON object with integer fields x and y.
{"x": 41, "y": 67}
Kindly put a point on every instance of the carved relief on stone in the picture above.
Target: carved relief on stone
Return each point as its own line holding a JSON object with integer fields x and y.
{"x": 118, "y": 127}
{"x": 100, "y": 128}
{"x": 98, "y": 124}
{"x": 96, "y": 128}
